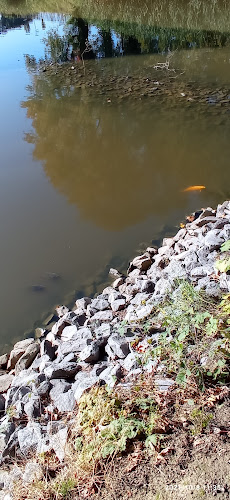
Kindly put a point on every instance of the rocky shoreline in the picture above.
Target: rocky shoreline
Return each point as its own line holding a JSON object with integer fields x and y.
{"x": 100, "y": 342}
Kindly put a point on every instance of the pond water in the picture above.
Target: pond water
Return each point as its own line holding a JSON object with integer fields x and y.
{"x": 93, "y": 164}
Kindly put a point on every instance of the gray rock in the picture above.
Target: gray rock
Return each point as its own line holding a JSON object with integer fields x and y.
{"x": 147, "y": 286}
{"x": 33, "y": 407}
{"x": 202, "y": 254}
{"x": 3, "y": 361}
{"x": 151, "y": 251}
{"x": 98, "y": 368}
{"x": 117, "y": 283}
{"x": 47, "y": 348}
{"x": 190, "y": 261}
{"x": 83, "y": 303}
{"x": 225, "y": 233}
{"x": 166, "y": 251}
{"x": 175, "y": 270}
{"x": 4, "y": 480}
{"x": 102, "y": 316}
{"x": 99, "y": 304}
{"x": 62, "y": 397}
{"x": 150, "y": 366}
{"x": 201, "y": 271}
{"x": 18, "y": 351}
{"x": 27, "y": 358}
{"x": 59, "y": 386}
{"x": 26, "y": 377}
{"x": 114, "y": 295}
{"x": 65, "y": 369}
{"x": 40, "y": 362}
{"x": 71, "y": 347}
{"x": 211, "y": 288}
{"x": 44, "y": 388}
{"x": 11, "y": 445}
{"x": 80, "y": 317}
{"x": 83, "y": 382}
{"x": 144, "y": 311}
{"x": 30, "y": 438}
{"x": 59, "y": 326}
{"x": 106, "y": 291}
{"x": 182, "y": 255}
{"x": 142, "y": 262}
{"x": 213, "y": 240}
{"x": 162, "y": 288}
{"x": 33, "y": 472}
{"x": 5, "y": 382}
{"x": 202, "y": 221}
{"x": 61, "y": 311}
{"x": 131, "y": 362}
{"x": 136, "y": 273}
{"x": 221, "y": 208}
{"x": 140, "y": 299}
{"x": 68, "y": 332}
{"x": 58, "y": 441}
{"x": 2, "y": 403}
{"x": 7, "y": 428}
{"x": 79, "y": 341}
{"x": 224, "y": 282}
{"x": 15, "y": 394}
{"x": 118, "y": 305}
{"x": 103, "y": 331}
{"x": 91, "y": 353}
{"x": 115, "y": 272}
{"x": 110, "y": 375}
{"x": 117, "y": 347}
{"x": 154, "y": 273}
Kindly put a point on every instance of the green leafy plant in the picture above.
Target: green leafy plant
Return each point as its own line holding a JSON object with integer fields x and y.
{"x": 225, "y": 247}
{"x": 65, "y": 487}
{"x": 200, "y": 420}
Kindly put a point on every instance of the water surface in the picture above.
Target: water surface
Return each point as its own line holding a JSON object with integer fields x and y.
{"x": 88, "y": 179}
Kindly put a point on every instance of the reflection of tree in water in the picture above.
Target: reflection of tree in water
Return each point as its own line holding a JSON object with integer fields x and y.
{"x": 118, "y": 164}
{"x": 109, "y": 39}
{"x": 11, "y": 22}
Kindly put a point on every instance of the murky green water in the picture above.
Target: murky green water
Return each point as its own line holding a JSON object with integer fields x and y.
{"x": 94, "y": 159}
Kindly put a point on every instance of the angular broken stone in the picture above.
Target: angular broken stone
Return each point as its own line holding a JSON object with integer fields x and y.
{"x": 83, "y": 382}
{"x": 27, "y": 358}
{"x": 91, "y": 353}
{"x": 102, "y": 316}
{"x": 213, "y": 240}
{"x": 5, "y": 382}
{"x": 17, "y": 351}
{"x": 117, "y": 347}
{"x": 119, "y": 281}
{"x": 110, "y": 375}
{"x": 142, "y": 262}
{"x": 68, "y": 332}
{"x": 3, "y": 361}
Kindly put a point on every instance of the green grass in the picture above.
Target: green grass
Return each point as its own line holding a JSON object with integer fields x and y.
{"x": 188, "y": 14}
{"x": 195, "y": 343}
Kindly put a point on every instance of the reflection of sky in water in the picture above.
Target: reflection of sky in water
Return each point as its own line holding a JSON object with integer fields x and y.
{"x": 16, "y": 42}
{"x": 95, "y": 37}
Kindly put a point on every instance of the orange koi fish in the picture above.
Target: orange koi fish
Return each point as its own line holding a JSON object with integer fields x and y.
{"x": 193, "y": 188}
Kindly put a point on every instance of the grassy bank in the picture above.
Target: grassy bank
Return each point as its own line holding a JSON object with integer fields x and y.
{"x": 134, "y": 440}
{"x": 187, "y": 14}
